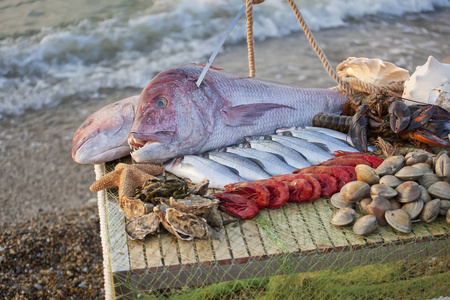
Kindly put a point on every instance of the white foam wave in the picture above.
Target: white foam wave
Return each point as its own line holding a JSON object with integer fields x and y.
{"x": 127, "y": 50}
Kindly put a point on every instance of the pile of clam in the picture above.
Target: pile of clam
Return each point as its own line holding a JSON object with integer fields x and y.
{"x": 402, "y": 190}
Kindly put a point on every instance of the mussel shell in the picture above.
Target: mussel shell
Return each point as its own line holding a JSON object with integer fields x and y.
{"x": 442, "y": 164}
{"x": 338, "y": 201}
{"x": 365, "y": 225}
{"x": 428, "y": 180}
{"x": 424, "y": 167}
{"x": 355, "y": 191}
{"x": 409, "y": 173}
{"x": 391, "y": 165}
{"x": 399, "y": 220}
{"x": 391, "y": 181}
{"x": 430, "y": 211}
{"x": 413, "y": 208}
{"x": 343, "y": 216}
{"x": 445, "y": 206}
{"x": 363, "y": 205}
{"x": 440, "y": 189}
{"x": 378, "y": 207}
{"x": 367, "y": 174}
{"x": 383, "y": 191}
{"x": 138, "y": 228}
{"x": 408, "y": 191}
{"x": 415, "y": 158}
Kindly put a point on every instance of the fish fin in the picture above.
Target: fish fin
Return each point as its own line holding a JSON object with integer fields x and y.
{"x": 321, "y": 145}
{"x": 243, "y": 115}
{"x": 257, "y": 161}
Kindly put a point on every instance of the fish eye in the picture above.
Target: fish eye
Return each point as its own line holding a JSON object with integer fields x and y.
{"x": 161, "y": 102}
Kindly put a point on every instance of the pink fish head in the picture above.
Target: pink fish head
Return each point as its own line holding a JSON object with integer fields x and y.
{"x": 172, "y": 116}
{"x": 103, "y": 135}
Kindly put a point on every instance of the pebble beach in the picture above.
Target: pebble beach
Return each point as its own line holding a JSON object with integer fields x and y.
{"x": 50, "y": 244}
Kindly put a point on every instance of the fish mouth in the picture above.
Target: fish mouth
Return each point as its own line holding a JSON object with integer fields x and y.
{"x": 139, "y": 140}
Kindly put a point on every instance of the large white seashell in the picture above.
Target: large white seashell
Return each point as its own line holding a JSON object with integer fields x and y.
{"x": 430, "y": 83}
{"x": 373, "y": 71}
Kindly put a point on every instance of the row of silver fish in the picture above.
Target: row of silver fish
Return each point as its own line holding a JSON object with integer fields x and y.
{"x": 260, "y": 157}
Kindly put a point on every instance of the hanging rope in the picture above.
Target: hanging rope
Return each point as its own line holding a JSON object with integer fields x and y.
{"x": 349, "y": 85}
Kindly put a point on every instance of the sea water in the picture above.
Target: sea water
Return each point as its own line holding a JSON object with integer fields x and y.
{"x": 54, "y": 51}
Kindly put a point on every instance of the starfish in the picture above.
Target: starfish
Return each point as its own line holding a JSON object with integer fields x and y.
{"x": 127, "y": 177}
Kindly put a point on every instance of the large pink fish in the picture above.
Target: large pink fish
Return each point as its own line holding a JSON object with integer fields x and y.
{"x": 174, "y": 117}
{"x": 103, "y": 136}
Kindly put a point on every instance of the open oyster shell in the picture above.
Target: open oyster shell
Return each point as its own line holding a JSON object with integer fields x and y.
{"x": 138, "y": 228}
{"x": 206, "y": 207}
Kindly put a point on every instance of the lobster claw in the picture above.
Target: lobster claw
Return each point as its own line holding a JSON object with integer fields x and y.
{"x": 426, "y": 137}
{"x": 421, "y": 116}
{"x": 357, "y": 131}
{"x": 399, "y": 116}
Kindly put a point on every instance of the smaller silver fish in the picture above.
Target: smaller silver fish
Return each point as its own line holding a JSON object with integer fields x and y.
{"x": 272, "y": 164}
{"x": 198, "y": 168}
{"x": 318, "y": 137}
{"x": 246, "y": 167}
{"x": 289, "y": 155}
{"x": 313, "y": 153}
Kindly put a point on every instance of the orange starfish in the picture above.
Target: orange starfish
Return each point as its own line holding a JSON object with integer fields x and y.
{"x": 127, "y": 177}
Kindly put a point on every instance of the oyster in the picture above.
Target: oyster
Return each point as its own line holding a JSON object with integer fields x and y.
{"x": 365, "y": 225}
{"x": 373, "y": 71}
{"x": 378, "y": 207}
{"x": 355, "y": 191}
{"x": 399, "y": 220}
{"x": 338, "y": 201}
{"x": 383, "y": 191}
{"x": 205, "y": 207}
{"x": 409, "y": 173}
{"x": 426, "y": 78}
{"x": 182, "y": 225}
{"x": 343, "y": 216}
{"x": 142, "y": 226}
{"x": 431, "y": 211}
{"x": 391, "y": 165}
{"x": 391, "y": 181}
{"x": 366, "y": 174}
{"x": 133, "y": 207}
{"x": 440, "y": 189}
{"x": 413, "y": 208}
{"x": 408, "y": 191}
{"x": 155, "y": 188}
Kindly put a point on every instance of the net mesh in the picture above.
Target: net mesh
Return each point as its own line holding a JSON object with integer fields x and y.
{"x": 288, "y": 253}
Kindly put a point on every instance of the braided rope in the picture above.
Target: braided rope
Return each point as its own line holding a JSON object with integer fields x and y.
{"x": 250, "y": 40}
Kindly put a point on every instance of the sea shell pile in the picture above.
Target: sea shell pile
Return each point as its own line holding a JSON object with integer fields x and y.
{"x": 400, "y": 191}
{"x": 183, "y": 210}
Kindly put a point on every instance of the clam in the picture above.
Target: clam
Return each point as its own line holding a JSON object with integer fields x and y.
{"x": 355, "y": 191}
{"x": 424, "y": 167}
{"x": 430, "y": 211}
{"x": 447, "y": 217}
{"x": 408, "y": 191}
{"x": 442, "y": 164}
{"x": 383, "y": 191}
{"x": 365, "y": 225}
{"x": 395, "y": 204}
{"x": 399, "y": 220}
{"x": 415, "y": 158}
{"x": 391, "y": 181}
{"x": 424, "y": 195}
{"x": 366, "y": 174}
{"x": 445, "y": 206}
{"x": 378, "y": 207}
{"x": 413, "y": 208}
{"x": 440, "y": 189}
{"x": 338, "y": 201}
{"x": 409, "y": 173}
{"x": 343, "y": 216}
{"x": 428, "y": 180}
{"x": 363, "y": 205}
{"x": 138, "y": 228}
{"x": 391, "y": 165}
